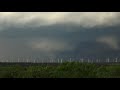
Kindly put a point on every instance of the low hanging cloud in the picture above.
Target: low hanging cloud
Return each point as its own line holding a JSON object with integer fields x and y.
{"x": 37, "y": 19}
{"x": 50, "y": 45}
{"x": 110, "y": 41}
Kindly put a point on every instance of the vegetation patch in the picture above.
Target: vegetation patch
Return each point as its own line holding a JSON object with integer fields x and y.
{"x": 64, "y": 70}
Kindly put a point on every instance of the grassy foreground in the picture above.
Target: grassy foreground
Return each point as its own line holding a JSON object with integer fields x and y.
{"x": 65, "y": 70}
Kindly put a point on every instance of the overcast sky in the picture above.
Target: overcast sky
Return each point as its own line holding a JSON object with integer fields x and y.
{"x": 37, "y": 19}
{"x": 54, "y": 33}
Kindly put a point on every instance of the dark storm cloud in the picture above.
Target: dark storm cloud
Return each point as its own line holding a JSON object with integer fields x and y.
{"x": 59, "y": 33}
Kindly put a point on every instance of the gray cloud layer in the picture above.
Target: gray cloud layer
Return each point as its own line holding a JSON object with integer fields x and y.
{"x": 33, "y": 33}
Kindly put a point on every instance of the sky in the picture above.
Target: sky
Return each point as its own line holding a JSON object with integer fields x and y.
{"x": 59, "y": 33}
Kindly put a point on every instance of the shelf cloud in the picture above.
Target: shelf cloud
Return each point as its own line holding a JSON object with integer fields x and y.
{"x": 63, "y": 33}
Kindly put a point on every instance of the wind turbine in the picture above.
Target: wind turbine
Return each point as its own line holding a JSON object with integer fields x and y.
{"x": 61, "y": 60}
{"x": 88, "y": 60}
{"x": 70, "y": 60}
{"x": 18, "y": 60}
{"x": 108, "y": 60}
{"x": 27, "y": 60}
{"x": 34, "y": 60}
{"x": 52, "y": 60}
{"x": 116, "y": 60}
{"x": 82, "y": 60}
{"x": 97, "y": 60}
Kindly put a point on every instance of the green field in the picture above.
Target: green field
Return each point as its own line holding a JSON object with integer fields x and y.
{"x": 64, "y": 70}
